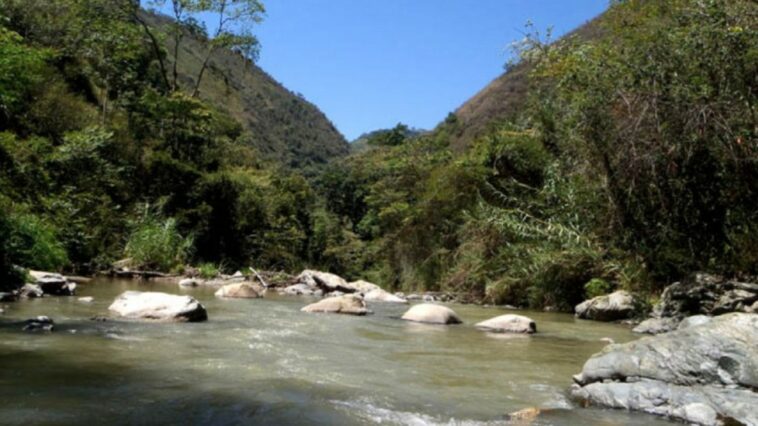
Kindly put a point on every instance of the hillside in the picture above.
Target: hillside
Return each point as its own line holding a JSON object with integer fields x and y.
{"x": 282, "y": 124}
{"x": 503, "y": 98}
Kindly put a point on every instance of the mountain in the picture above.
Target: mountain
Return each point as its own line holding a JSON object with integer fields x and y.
{"x": 504, "y": 97}
{"x": 283, "y": 125}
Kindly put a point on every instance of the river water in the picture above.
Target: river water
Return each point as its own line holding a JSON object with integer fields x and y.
{"x": 264, "y": 362}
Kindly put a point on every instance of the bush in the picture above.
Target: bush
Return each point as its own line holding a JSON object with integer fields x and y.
{"x": 157, "y": 244}
{"x": 33, "y": 243}
{"x": 208, "y": 271}
{"x": 597, "y": 287}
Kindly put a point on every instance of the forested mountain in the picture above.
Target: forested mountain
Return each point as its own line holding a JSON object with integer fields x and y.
{"x": 622, "y": 156}
{"x": 282, "y": 125}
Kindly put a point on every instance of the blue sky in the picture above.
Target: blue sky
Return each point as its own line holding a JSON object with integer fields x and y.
{"x": 369, "y": 64}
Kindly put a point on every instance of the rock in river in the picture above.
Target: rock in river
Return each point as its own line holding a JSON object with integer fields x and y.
{"x": 380, "y": 295}
{"x": 156, "y": 306}
{"x": 323, "y": 280}
{"x": 239, "y": 291}
{"x": 52, "y": 283}
{"x": 705, "y": 374}
{"x": 30, "y": 291}
{"x": 347, "y": 304}
{"x": 40, "y": 323}
{"x": 509, "y": 323}
{"x": 610, "y": 307}
{"x": 432, "y": 314}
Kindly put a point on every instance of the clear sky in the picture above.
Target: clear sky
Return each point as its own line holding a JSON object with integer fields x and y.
{"x": 369, "y": 64}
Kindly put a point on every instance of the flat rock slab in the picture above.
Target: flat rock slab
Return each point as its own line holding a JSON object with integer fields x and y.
{"x": 348, "y": 304}
{"x": 432, "y": 314}
{"x": 154, "y": 306}
{"x": 702, "y": 373}
{"x": 509, "y": 323}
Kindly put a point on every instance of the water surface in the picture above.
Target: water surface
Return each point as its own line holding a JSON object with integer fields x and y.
{"x": 265, "y": 362}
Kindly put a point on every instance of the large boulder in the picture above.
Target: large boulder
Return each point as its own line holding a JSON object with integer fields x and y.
{"x": 239, "y": 291}
{"x": 380, "y": 295}
{"x": 432, "y": 314}
{"x": 53, "y": 284}
{"x": 154, "y": 306}
{"x": 616, "y": 306}
{"x": 509, "y": 323}
{"x": 347, "y": 304}
{"x": 706, "y": 294}
{"x": 705, "y": 374}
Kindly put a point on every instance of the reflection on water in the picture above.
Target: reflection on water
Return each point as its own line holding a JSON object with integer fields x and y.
{"x": 263, "y": 361}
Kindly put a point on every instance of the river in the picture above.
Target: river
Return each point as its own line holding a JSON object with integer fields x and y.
{"x": 264, "y": 362}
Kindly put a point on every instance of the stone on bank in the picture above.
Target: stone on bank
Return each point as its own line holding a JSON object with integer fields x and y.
{"x": 618, "y": 305}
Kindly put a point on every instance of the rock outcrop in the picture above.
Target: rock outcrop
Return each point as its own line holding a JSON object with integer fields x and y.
{"x": 616, "y": 306}
{"x": 348, "y": 304}
{"x": 706, "y": 294}
{"x": 432, "y": 314}
{"x": 154, "y": 306}
{"x": 239, "y": 291}
{"x": 509, "y": 323}
{"x": 705, "y": 374}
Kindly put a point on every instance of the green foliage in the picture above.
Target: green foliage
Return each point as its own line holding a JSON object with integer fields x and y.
{"x": 33, "y": 243}
{"x": 156, "y": 243}
{"x": 597, "y": 287}
{"x": 21, "y": 67}
{"x": 208, "y": 271}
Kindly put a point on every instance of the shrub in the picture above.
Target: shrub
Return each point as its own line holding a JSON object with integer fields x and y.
{"x": 208, "y": 271}
{"x": 33, "y": 243}
{"x": 157, "y": 243}
{"x": 597, "y": 287}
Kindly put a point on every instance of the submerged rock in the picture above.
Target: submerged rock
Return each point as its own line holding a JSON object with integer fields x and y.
{"x": 380, "y": 295}
{"x": 87, "y": 299}
{"x": 347, "y": 304}
{"x": 618, "y": 305}
{"x": 656, "y": 325}
{"x": 239, "y": 291}
{"x": 154, "y": 306}
{"x": 30, "y": 291}
{"x": 8, "y": 297}
{"x": 705, "y": 374}
{"x": 509, "y": 323}
{"x": 432, "y": 314}
{"x": 189, "y": 282}
{"x": 706, "y": 294}
{"x": 40, "y": 323}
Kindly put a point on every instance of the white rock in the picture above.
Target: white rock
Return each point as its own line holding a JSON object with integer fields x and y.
{"x": 156, "y": 306}
{"x": 509, "y": 323}
{"x": 433, "y": 314}
{"x": 380, "y": 295}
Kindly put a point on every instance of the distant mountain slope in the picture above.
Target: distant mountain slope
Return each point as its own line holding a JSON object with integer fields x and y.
{"x": 283, "y": 125}
{"x": 503, "y": 97}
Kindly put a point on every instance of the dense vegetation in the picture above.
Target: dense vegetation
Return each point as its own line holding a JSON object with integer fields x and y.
{"x": 632, "y": 162}
{"x": 106, "y": 153}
